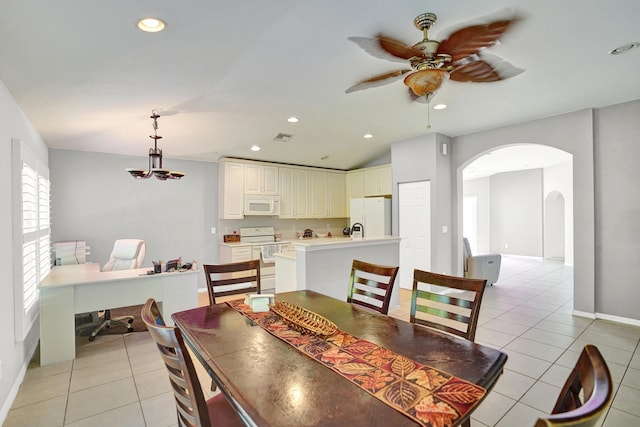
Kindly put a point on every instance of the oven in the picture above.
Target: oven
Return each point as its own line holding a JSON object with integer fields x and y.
{"x": 263, "y": 246}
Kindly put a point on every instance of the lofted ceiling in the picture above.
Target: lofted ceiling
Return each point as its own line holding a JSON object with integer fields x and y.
{"x": 227, "y": 75}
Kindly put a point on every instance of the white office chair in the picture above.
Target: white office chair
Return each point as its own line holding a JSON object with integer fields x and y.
{"x": 127, "y": 254}
{"x": 483, "y": 266}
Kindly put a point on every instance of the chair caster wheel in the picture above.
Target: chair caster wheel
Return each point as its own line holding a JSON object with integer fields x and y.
{"x": 92, "y": 338}
{"x": 130, "y": 321}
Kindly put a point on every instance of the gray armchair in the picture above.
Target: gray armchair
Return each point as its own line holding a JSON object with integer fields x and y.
{"x": 484, "y": 266}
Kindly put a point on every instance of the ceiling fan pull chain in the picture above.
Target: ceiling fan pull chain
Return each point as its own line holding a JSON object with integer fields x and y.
{"x": 428, "y": 111}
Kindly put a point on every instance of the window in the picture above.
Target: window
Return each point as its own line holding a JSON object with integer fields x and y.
{"x": 32, "y": 230}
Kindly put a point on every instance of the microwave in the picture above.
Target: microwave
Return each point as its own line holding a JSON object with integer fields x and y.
{"x": 256, "y": 204}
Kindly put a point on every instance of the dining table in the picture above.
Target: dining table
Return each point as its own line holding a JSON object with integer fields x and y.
{"x": 270, "y": 382}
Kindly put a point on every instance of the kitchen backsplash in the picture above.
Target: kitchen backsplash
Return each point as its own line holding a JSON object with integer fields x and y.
{"x": 287, "y": 228}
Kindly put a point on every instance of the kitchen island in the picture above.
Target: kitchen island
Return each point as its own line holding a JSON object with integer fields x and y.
{"x": 324, "y": 264}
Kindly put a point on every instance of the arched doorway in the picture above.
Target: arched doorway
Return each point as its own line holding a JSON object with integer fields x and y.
{"x": 532, "y": 224}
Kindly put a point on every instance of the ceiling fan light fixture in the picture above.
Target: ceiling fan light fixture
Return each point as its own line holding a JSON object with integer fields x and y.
{"x": 426, "y": 82}
{"x": 151, "y": 25}
{"x": 155, "y": 159}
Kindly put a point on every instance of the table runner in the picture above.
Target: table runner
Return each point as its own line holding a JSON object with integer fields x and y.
{"x": 430, "y": 397}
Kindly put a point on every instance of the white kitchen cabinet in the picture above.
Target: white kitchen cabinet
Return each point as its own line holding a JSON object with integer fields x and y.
{"x": 234, "y": 253}
{"x": 260, "y": 179}
{"x": 336, "y": 195}
{"x": 317, "y": 194}
{"x": 304, "y": 192}
{"x": 355, "y": 184}
{"x": 301, "y": 178}
{"x": 287, "y": 192}
{"x": 378, "y": 181}
{"x": 230, "y": 181}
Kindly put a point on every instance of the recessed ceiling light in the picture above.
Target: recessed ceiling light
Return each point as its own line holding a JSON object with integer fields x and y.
{"x": 255, "y": 148}
{"x": 151, "y": 25}
{"x": 440, "y": 106}
{"x": 625, "y": 48}
{"x": 292, "y": 119}
{"x": 324, "y": 157}
{"x": 367, "y": 136}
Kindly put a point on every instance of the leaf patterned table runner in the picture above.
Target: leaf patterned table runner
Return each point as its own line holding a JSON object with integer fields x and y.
{"x": 430, "y": 397}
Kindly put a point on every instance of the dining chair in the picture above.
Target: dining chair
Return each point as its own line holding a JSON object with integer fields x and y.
{"x": 446, "y": 303}
{"x": 232, "y": 279}
{"x": 370, "y": 285}
{"x": 585, "y": 395}
{"x": 191, "y": 407}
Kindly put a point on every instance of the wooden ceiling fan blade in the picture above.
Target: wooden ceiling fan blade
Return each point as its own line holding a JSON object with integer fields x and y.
{"x": 471, "y": 40}
{"x": 484, "y": 68}
{"x": 376, "y": 81}
{"x": 372, "y": 47}
{"x": 397, "y": 48}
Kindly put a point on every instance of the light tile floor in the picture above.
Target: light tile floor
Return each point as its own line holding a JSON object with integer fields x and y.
{"x": 119, "y": 381}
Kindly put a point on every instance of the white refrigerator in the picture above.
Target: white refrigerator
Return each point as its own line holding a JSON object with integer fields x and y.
{"x": 374, "y": 213}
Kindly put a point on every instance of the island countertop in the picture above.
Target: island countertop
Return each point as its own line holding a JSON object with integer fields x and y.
{"x": 323, "y": 243}
{"x": 324, "y": 264}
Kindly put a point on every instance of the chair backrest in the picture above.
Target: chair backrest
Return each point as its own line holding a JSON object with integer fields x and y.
{"x": 127, "y": 254}
{"x": 232, "y": 279}
{"x": 190, "y": 402}
{"x": 452, "y": 306}
{"x": 591, "y": 379}
{"x": 370, "y": 285}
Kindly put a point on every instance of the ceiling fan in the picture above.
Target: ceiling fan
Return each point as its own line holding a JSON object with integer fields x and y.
{"x": 460, "y": 57}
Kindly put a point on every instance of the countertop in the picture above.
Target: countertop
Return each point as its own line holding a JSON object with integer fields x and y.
{"x": 322, "y": 243}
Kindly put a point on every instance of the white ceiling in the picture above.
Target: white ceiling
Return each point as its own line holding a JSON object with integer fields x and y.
{"x": 227, "y": 75}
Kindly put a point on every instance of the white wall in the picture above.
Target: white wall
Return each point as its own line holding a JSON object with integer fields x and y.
{"x": 421, "y": 159}
{"x": 516, "y": 213}
{"x": 96, "y": 200}
{"x": 14, "y": 356}
{"x": 481, "y": 189}
{"x": 617, "y": 152}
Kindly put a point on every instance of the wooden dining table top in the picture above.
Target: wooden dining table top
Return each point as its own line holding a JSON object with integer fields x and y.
{"x": 272, "y": 384}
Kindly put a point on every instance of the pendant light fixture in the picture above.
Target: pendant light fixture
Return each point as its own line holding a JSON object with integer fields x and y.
{"x": 155, "y": 159}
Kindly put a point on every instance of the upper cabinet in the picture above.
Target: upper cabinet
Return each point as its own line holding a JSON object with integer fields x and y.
{"x": 230, "y": 182}
{"x": 304, "y": 192}
{"x": 336, "y": 192}
{"x": 287, "y": 192}
{"x": 378, "y": 181}
{"x": 355, "y": 184}
{"x": 312, "y": 193}
{"x": 260, "y": 179}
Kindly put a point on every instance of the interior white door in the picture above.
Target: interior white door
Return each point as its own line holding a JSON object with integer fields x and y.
{"x": 414, "y": 205}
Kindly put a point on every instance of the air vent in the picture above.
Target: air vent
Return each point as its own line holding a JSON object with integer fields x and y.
{"x": 282, "y": 137}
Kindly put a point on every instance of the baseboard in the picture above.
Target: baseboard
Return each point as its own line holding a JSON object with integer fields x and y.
{"x": 583, "y": 314}
{"x": 608, "y": 317}
{"x": 13, "y": 392}
{"x": 618, "y": 319}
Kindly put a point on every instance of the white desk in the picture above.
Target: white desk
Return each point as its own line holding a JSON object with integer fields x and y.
{"x": 71, "y": 289}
